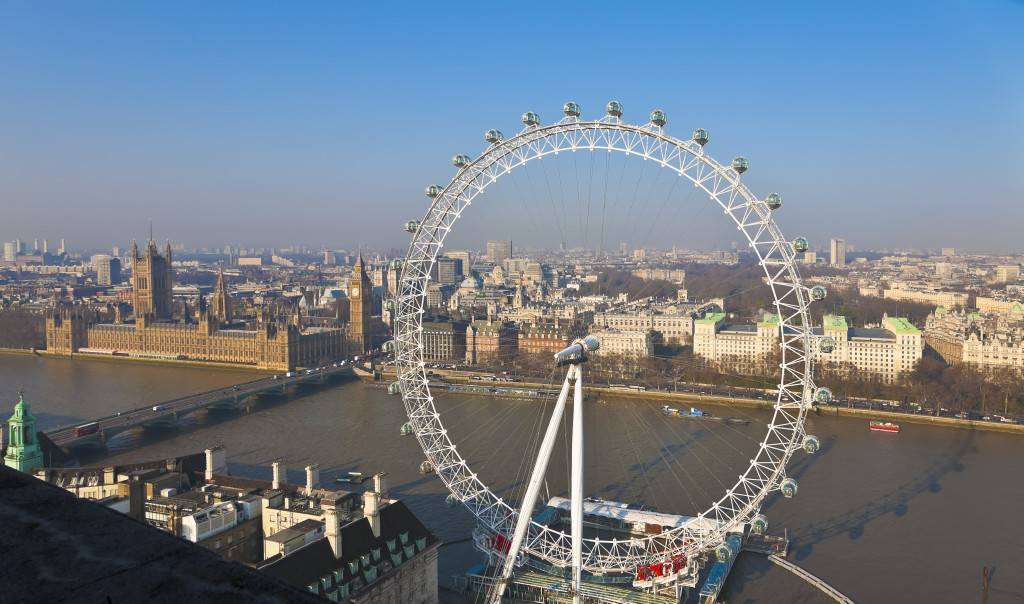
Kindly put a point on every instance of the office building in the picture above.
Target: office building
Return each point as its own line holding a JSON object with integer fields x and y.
{"x": 499, "y": 251}
{"x": 10, "y": 251}
{"x": 837, "y": 252}
{"x": 108, "y": 269}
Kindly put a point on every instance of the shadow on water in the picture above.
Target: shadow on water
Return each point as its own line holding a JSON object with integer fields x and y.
{"x": 640, "y": 473}
{"x": 853, "y": 522}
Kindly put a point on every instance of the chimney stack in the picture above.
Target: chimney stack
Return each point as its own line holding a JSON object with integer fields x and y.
{"x": 280, "y": 475}
{"x": 380, "y": 484}
{"x": 216, "y": 462}
{"x": 371, "y": 510}
{"x": 331, "y": 526}
{"x": 312, "y": 477}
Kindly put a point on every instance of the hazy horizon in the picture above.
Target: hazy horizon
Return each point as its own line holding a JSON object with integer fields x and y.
{"x": 892, "y": 126}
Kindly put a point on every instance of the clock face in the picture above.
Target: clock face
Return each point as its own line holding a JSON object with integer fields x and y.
{"x": 355, "y": 292}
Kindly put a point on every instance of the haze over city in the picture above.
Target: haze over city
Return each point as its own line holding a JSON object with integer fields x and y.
{"x": 260, "y": 128}
{"x": 589, "y": 303}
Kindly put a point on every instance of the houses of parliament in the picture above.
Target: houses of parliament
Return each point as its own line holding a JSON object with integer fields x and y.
{"x": 276, "y": 340}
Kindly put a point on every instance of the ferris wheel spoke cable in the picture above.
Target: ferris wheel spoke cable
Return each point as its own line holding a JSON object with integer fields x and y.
{"x": 679, "y": 481}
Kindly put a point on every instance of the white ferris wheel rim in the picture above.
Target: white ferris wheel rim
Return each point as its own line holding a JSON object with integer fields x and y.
{"x": 776, "y": 255}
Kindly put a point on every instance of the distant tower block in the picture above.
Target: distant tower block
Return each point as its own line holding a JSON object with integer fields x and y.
{"x": 837, "y": 252}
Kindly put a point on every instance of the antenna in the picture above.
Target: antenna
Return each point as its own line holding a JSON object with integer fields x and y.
{"x": 151, "y": 229}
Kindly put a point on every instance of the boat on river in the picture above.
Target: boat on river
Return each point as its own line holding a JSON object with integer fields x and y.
{"x": 695, "y": 413}
{"x": 883, "y": 427}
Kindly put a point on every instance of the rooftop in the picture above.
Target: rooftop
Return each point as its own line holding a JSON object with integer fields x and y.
{"x": 61, "y": 548}
{"x": 711, "y": 318}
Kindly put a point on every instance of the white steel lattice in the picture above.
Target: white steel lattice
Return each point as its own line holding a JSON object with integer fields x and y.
{"x": 777, "y": 256}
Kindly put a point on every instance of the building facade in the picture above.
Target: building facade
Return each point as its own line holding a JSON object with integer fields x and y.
{"x": 278, "y": 342}
{"x": 885, "y": 352}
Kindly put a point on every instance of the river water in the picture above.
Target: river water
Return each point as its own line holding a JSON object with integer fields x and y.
{"x": 912, "y": 517}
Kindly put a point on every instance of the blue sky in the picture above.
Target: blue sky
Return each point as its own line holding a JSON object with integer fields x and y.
{"x": 889, "y": 123}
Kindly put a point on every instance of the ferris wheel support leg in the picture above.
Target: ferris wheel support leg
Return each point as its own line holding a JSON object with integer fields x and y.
{"x": 540, "y": 468}
{"x": 576, "y": 496}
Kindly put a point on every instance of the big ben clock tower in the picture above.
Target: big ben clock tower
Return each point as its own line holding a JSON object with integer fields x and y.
{"x": 360, "y": 297}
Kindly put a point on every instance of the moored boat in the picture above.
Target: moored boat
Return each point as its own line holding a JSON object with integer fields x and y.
{"x": 883, "y": 427}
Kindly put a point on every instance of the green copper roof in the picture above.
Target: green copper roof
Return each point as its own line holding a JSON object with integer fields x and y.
{"x": 834, "y": 322}
{"x": 901, "y": 325}
{"x": 768, "y": 320}
{"x": 22, "y": 410}
{"x": 711, "y": 318}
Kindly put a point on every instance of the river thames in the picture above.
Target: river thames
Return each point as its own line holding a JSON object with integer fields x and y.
{"x": 912, "y": 517}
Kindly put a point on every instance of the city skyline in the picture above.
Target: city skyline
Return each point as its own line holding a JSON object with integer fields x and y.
{"x": 220, "y": 133}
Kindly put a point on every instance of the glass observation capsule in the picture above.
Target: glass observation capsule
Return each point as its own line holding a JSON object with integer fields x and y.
{"x": 701, "y": 136}
{"x": 740, "y": 164}
{"x": 658, "y": 118}
{"x": 433, "y": 191}
{"x": 461, "y": 161}
{"x": 412, "y": 226}
{"x": 395, "y": 265}
{"x": 406, "y": 429}
{"x": 614, "y": 108}
{"x": 759, "y": 524}
{"x": 827, "y": 344}
{"x": 723, "y": 552}
{"x": 823, "y": 396}
{"x": 812, "y": 444}
{"x": 390, "y": 304}
{"x": 788, "y": 487}
{"x": 571, "y": 109}
{"x": 451, "y": 500}
{"x": 531, "y": 119}
{"x": 393, "y": 388}
{"x": 773, "y": 201}
{"x": 388, "y": 346}
{"x": 800, "y": 245}
{"x": 818, "y": 293}
{"x": 494, "y": 136}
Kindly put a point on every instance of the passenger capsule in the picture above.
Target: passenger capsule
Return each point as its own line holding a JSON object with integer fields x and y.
{"x": 531, "y": 119}
{"x": 433, "y": 191}
{"x": 773, "y": 201}
{"x": 451, "y": 500}
{"x": 395, "y": 265}
{"x": 818, "y": 293}
{"x": 827, "y": 344}
{"x": 412, "y": 226}
{"x": 406, "y": 429}
{"x": 788, "y": 487}
{"x": 494, "y": 136}
{"x": 823, "y": 396}
{"x": 701, "y": 136}
{"x": 571, "y": 109}
{"x": 460, "y": 161}
{"x": 388, "y": 346}
{"x": 740, "y": 164}
{"x": 812, "y": 444}
{"x": 393, "y": 388}
{"x": 614, "y": 108}
{"x": 658, "y": 118}
{"x": 723, "y": 552}
{"x": 759, "y": 524}
{"x": 390, "y": 305}
{"x": 800, "y": 245}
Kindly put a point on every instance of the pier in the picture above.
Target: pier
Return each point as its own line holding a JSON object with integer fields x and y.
{"x": 825, "y": 588}
{"x": 167, "y": 413}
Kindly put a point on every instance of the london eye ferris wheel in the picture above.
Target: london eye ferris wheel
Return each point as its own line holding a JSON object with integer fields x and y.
{"x": 515, "y": 534}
